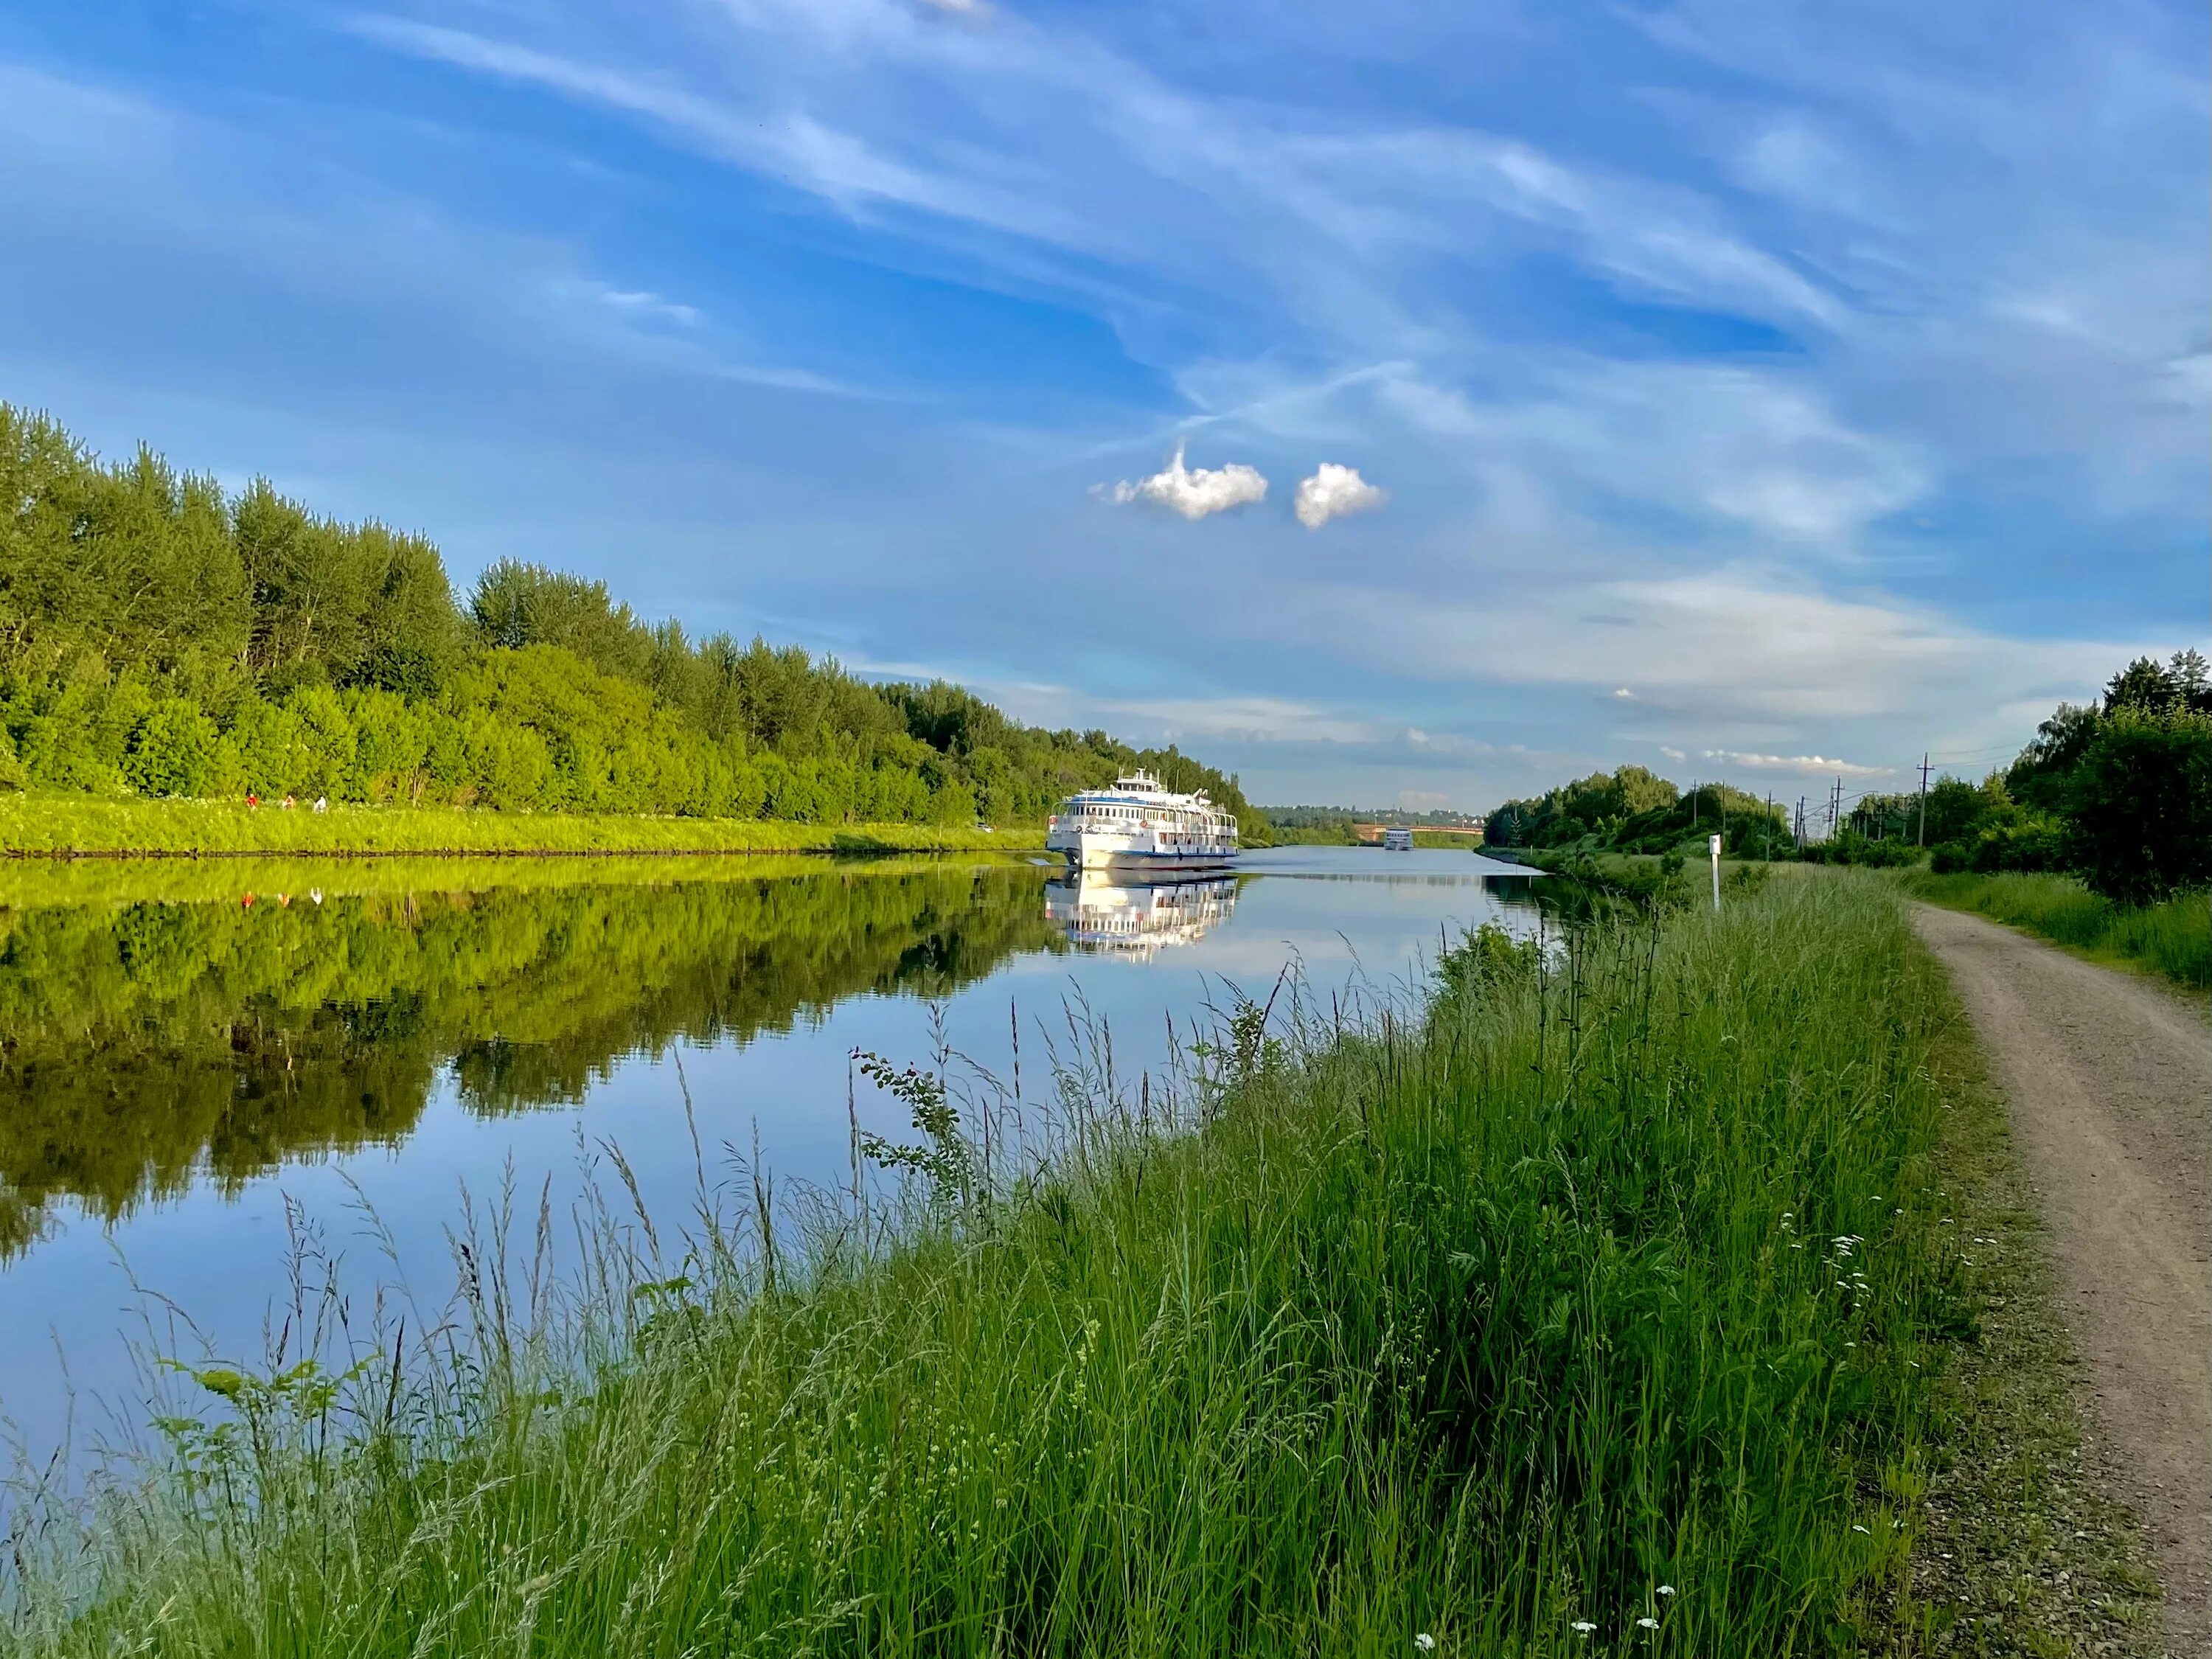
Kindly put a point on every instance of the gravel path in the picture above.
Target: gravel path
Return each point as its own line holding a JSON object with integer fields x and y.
{"x": 2109, "y": 1078}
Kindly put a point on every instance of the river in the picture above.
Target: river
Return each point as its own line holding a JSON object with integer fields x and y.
{"x": 210, "y": 1072}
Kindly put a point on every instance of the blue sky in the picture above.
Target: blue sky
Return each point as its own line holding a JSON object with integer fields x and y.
{"x": 1756, "y": 390}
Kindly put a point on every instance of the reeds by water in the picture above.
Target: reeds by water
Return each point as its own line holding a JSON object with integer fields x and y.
{"x": 1589, "y": 1309}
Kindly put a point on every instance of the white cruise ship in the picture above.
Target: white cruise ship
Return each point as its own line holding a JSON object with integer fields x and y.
{"x": 1137, "y": 825}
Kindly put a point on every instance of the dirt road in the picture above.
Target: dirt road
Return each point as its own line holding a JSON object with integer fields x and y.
{"x": 2109, "y": 1082}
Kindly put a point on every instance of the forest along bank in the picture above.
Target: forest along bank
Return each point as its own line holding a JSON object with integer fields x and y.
{"x": 204, "y": 1058}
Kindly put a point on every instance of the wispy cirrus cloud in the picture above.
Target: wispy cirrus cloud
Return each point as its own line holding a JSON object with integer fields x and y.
{"x": 1804, "y": 765}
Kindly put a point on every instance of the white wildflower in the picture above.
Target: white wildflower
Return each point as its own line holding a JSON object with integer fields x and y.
{"x": 1581, "y": 1627}
{"x": 1856, "y": 1527}
{"x": 1666, "y": 1590}
{"x": 1647, "y": 1624}
{"x": 1426, "y": 1642}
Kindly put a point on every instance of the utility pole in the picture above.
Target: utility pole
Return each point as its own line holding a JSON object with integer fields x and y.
{"x": 1922, "y": 838}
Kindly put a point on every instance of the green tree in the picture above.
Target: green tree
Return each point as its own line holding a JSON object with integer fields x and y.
{"x": 176, "y": 750}
{"x": 2141, "y": 827}
{"x": 2141, "y": 685}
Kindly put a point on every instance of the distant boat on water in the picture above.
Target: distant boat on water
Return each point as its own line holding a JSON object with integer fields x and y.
{"x": 1397, "y": 839}
{"x": 1136, "y": 824}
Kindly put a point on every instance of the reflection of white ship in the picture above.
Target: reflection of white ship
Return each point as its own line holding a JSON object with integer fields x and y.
{"x": 1098, "y": 912}
{"x": 1137, "y": 825}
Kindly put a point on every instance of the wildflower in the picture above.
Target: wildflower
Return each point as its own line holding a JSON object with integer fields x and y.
{"x": 1581, "y": 1627}
{"x": 1666, "y": 1590}
{"x": 1426, "y": 1642}
{"x": 1856, "y": 1527}
{"x": 1647, "y": 1624}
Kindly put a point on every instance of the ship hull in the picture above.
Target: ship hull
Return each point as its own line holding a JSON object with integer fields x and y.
{"x": 1124, "y": 857}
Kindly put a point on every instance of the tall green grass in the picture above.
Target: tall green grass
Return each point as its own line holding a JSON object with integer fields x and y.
{"x": 1604, "y": 1291}
{"x": 2173, "y": 938}
{"x": 64, "y": 825}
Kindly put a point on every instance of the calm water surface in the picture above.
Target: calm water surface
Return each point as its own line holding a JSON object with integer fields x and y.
{"x": 198, "y": 1061}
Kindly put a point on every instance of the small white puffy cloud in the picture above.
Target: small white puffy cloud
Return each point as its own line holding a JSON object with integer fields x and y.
{"x": 1192, "y": 491}
{"x": 1334, "y": 491}
{"x": 1672, "y": 754}
{"x": 1624, "y": 694}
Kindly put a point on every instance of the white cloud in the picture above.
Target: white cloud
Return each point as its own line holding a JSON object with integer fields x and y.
{"x": 642, "y": 304}
{"x": 1193, "y": 492}
{"x": 1758, "y": 448}
{"x": 1246, "y": 719}
{"x": 1624, "y": 694}
{"x": 1672, "y": 754}
{"x": 1422, "y": 800}
{"x": 1334, "y": 491}
{"x": 1809, "y": 765}
{"x": 1742, "y": 647}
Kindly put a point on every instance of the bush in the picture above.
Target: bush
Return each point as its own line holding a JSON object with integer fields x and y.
{"x": 175, "y": 751}
{"x": 2142, "y": 820}
{"x": 1849, "y": 846}
{"x": 2026, "y": 845}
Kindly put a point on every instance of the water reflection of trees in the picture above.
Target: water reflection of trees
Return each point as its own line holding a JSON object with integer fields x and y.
{"x": 144, "y": 1047}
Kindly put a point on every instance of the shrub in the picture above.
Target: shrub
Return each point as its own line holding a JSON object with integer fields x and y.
{"x": 2142, "y": 822}
{"x": 175, "y": 751}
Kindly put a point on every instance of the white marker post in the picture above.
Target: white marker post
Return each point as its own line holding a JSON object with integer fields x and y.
{"x": 1714, "y": 842}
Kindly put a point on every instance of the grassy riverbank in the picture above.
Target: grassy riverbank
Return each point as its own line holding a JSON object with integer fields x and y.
{"x": 2173, "y": 939}
{"x": 62, "y": 825}
{"x": 1606, "y": 1306}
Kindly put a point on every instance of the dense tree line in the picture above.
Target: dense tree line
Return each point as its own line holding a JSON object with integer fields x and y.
{"x": 159, "y": 637}
{"x": 1636, "y": 810}
{"x": 2118, "y": 792}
